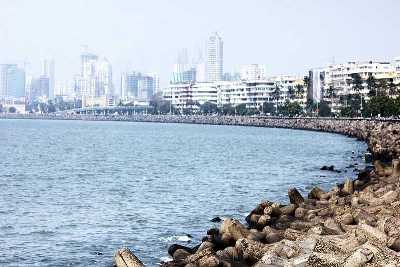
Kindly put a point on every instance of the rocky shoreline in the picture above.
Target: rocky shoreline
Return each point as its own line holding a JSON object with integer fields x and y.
{"x": 356, "y": 223}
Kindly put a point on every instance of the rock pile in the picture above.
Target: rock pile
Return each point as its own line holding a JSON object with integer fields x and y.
{"x": 355, "y": 224}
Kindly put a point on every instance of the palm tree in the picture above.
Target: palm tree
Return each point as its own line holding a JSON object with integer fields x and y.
{"x": 382, "y": 87}
{"x": 299, "y": 90}
{"x": 371, "y": 85}
{"x": 357, "y": 83}
{"x": 276, "y": 95}
{"x": 331, "y": 94}
{"x": 392, "y": 88}
{"x": 291, "y": 92}
{"x": 306, "y": 81}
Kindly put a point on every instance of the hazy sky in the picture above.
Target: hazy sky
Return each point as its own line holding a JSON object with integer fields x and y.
{"x": 289, "y": 36}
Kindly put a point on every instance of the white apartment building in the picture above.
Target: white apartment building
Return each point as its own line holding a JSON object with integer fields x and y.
{"x": 234, "y": 93}
{"x": 339, "y": 76}
{"x": 189, "y": 95}
{"x": 255, "y": 93}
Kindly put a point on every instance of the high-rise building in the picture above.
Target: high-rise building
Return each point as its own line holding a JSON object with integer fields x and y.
{"x": 215, "y": 58}
{"x": 95, "y": 79}
{"x": 38, "y": 88}
{"x": 48, "y": 70}
{"x": 12, "y": 81}
{"x": 104, "y": 78}
{"x": 88, "y": 65}
{"x": 137, "y": 86}
{"x": 183, "y": 71}
{"x": 156, "y": 80}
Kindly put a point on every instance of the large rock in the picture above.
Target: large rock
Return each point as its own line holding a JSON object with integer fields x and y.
{"x": 316, "y": 193}
{"x": 372, "y": 234}
{"x": 125, "y": 258}
{"x": 359, "y": 258}
{"x": 295, "y": 197}
{"x": 234, "y": 229}
{"x": 250, "y": 250}
{"x": 348, "y": 187}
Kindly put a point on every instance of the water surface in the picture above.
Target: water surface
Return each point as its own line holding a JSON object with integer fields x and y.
{"x": 72, "y": 192}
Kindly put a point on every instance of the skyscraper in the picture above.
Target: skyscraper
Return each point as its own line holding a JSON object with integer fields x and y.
{"x": 137, "y": 86}
{"x": 95, "y": 79}
{"x": 12, "y": 81}
{"x": 48, "y": 70}
{"x": 183, "y": 71}
{"x": 214, "y": 58}
{"x": 104, "y": 78}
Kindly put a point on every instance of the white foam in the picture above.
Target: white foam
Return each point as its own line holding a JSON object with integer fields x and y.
{"x": 166, "y": 259}
{"x": 182, "y": 238}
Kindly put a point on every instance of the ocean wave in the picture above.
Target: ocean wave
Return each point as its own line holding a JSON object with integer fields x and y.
{"x": 181, "y": 238}
{"x": 166, "y": 259}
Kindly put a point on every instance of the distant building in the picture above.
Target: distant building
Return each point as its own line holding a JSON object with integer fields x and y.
{"x": 253, "y": 72}
{"x": 253, "y": 94}
{"x": 138, "y": 86}
{"x": 48, "y": 70}
{"x": 316, "y": 86}
{"x": 231, "y": 76}
{"x": 334, "y": 82}
{"x": 95, "y": 79}
{"x": 64, "y": 89}
{"x": 191, "y": 95}
{"x": 215, "y": 57}
{"x": 104, "y": 78}
{"x": 183, "y": 74}
{"x": 12, "y": 81}
{"x": 39, "y": 88}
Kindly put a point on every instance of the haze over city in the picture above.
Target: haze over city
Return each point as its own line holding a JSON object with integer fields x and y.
{"x": 286, "y": 36}
{"x": 200, "y": 133}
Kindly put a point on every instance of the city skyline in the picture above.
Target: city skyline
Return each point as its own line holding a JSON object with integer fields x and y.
{"x": 292, "y": 41}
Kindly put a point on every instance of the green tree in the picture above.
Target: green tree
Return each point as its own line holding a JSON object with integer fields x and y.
{"x": 268, "y": 108}
{"x": 357, "y": 83}
{"x": 392, "y": 88}
{"x": 227, "y": 109}
{"x": 299, "y": 90}
{"x": 311, "y": 106}
{"x": 12, "y": 110}
{"x": 241, "y": 109}
{"x": 51, "y": 107}
{"x": 291, "y": 92}
{"x": 371, "y": 85}
{"x": 277, "y": 94}
{"x": 291, "y": 109}
{"x": 384, "y": 106}
{"x": 382, "y": 87}
{"x": 208, "y": 108}
{"x": 306, "y": 80}
{"x": 346, "y": 111}
{"x": 324, "y": 109}
{"x": 43, "y": 107}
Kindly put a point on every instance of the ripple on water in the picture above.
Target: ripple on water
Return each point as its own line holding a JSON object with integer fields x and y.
{"x": 100, "y": 186}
